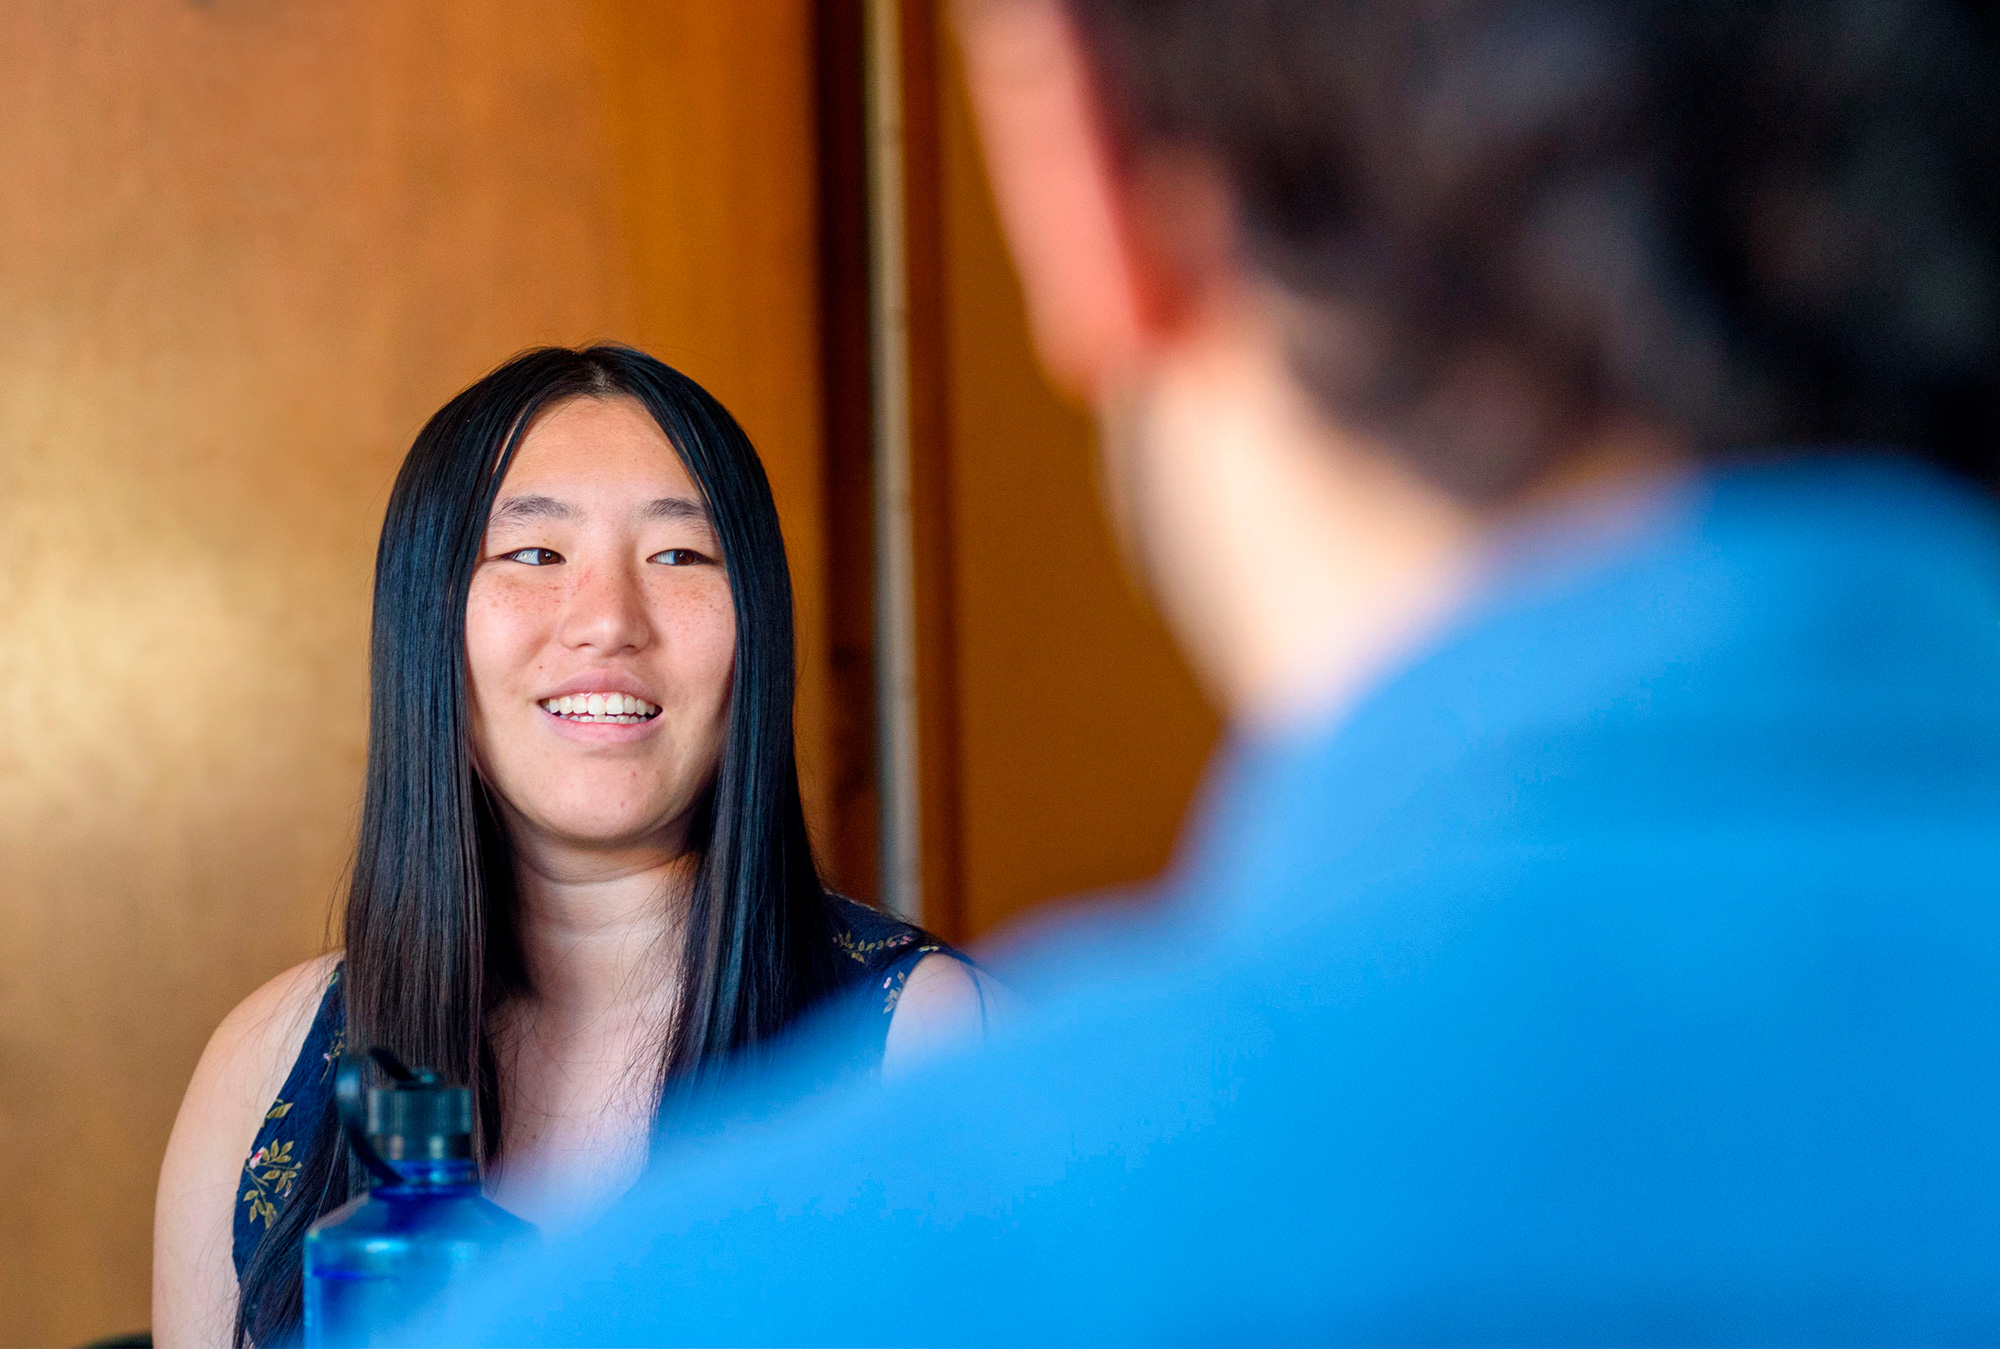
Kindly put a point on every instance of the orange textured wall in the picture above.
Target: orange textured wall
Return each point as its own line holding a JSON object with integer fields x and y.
{"x": 245, "y": 248}
{"x": 1079, "y": 733}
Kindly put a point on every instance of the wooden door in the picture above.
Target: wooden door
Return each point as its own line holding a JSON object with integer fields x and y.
{"x": 246, "y": 247}
{"x": 1063, "y": 735}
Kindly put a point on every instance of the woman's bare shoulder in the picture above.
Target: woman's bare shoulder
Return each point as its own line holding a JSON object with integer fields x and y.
{"x": 251, "y": 1052}
{"x": 945, "y": 1002}
{"x": 242, "y": 1069}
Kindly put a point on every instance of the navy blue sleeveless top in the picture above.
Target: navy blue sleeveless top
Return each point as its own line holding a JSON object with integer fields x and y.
{"x": 881, "y": 950}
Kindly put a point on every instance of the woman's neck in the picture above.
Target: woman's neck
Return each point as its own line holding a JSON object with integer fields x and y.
{"x": 598, "y": 928}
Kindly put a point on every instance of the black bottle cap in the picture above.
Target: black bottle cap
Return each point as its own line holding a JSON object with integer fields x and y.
{"x": 418, "y": 1117}
{"x": 423, "y": 1118}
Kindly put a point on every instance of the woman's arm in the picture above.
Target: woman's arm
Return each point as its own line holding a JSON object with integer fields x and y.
{"x": 240, "y": 1073}
{"x": 945, "y": 1002}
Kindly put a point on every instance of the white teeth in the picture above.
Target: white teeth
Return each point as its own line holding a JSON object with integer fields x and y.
{"x": 613, "y": 707}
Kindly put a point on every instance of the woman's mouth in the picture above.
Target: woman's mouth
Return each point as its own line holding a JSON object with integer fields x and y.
{"x": 610, "y": 708}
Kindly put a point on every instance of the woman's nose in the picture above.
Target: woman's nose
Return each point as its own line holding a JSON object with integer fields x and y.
{"x": 606, "y": 611}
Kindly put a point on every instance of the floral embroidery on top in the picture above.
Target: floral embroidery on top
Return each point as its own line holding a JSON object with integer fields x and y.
{"x": 270, "y": 1173}
{"x": 895, "y": 981}
{"x": 339, "y": 1044}
{"x": 862, "y": 950}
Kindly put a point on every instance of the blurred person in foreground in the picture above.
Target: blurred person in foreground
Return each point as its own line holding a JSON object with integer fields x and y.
{"x": 1558, "y": 434}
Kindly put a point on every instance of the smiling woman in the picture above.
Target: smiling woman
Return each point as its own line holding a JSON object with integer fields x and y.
{"x": 600, "y": 640}
{"x": 583, "y": 879}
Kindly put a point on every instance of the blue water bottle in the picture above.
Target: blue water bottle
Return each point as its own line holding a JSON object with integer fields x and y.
{"x": 373, "y": 1263}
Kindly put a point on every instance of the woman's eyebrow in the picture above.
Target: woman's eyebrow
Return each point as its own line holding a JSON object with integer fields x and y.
{"x": 534, "y": 507}
{"x": 676, "y": 508}
{"x": 531, "y": 508}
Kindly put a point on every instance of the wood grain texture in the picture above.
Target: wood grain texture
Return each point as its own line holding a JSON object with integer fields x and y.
{"x": 246, "y": 246}
{"x": 1078, "y": 734}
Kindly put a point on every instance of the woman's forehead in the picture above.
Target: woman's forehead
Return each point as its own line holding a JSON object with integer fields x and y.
{"x": 597, "y": 447}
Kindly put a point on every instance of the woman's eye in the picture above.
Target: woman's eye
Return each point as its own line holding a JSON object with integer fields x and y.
{"x": 678, "y": 557}
{"x": 535, "y": 557}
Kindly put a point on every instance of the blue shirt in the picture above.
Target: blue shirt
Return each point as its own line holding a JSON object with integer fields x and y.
{"x": 1627, "y": 968}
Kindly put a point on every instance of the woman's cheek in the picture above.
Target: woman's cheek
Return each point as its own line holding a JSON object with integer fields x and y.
{"x": 501, "y": 623}
{"x": 701, "y": 637}
{"x": 720, "y": 654}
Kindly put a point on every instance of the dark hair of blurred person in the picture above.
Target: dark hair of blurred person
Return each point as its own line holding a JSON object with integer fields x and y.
{"x": 1504, "y": 229}
{"x": 583, "y": 879}
{"x": 1553, "y": 431}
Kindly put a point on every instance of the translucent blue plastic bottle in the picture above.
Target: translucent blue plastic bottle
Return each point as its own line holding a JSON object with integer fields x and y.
{"x": 372, "y": 1264}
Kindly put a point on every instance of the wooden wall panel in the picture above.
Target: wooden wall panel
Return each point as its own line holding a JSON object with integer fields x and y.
{"x": 1079, "y": 733}
{"x": 934, "y": 449}
{"x": 849, "y": 850}
{"x": 245, "y": 247}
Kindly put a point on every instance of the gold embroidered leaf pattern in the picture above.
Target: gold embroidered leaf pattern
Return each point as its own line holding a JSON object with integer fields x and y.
{"x": 895, "y": 983}
{"x": 269, "y": 1174}
{"x": 272, "y": 1171}
{"x": 862, "y": 951}
{"x": 333, "y": 1053}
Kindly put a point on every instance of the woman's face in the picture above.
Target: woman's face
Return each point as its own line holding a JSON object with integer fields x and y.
{"x": 599, "y": 633}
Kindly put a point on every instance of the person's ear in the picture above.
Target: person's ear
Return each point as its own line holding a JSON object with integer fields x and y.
{"x": 1116, "y": 254}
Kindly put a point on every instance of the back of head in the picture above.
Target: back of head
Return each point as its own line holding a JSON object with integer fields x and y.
{"x": 1507, "y": 226}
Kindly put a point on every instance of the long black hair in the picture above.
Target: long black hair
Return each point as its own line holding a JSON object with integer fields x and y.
{"x": 432, "y": 944}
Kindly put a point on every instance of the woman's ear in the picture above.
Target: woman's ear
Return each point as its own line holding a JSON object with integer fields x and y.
{"x": 1115, "y": 255}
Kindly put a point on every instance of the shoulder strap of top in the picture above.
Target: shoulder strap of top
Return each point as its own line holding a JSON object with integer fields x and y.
{"x": 276, "y": 1154}
{"x": 884, "y": 951}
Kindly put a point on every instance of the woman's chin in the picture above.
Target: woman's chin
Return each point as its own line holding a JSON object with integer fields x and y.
{"x": 661, "y": 834}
